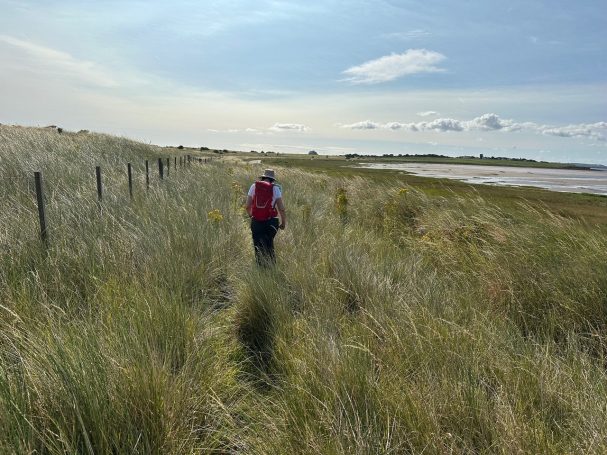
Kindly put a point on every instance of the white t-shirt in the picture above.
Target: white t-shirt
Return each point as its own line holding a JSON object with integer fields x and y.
{"x": 277, "y": 193}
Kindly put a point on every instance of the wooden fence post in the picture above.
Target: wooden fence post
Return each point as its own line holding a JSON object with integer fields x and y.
{"x": 147, "y": 174}
{"x": 41, "y": 213}
{"x": 130, "y": 174}
{"x": 160, "y": 169}
{"x": 99, "y": 187}
{"x": 175, "y": 162}
{"x": 168, "y": 166}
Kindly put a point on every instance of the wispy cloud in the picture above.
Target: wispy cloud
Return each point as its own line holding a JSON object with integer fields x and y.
{"x": 277, "y": 127}
{"x": 489, "y": 122}
{"x": 364, "y": 125}
{"x": 230, "y": 130}
{"x": 394, "y": 66}
{"x": 289, "y": 127}
{"x": 408, "y": 35}
{"x": 428, "y": 114}
{"x": 222, "y": 16}
{"x": 592, "y": 130}
{"x": 536, "y": 40}
{"x": 58, "y": 63}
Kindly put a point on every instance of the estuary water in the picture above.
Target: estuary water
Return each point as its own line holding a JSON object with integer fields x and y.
{"x": 566, "y": 180}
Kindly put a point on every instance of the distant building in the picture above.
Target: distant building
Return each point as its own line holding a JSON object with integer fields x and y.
{"x": 481, "y": 156}
{"x": 312, "y": 152}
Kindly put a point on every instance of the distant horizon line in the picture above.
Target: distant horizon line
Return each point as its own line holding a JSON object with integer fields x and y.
{"x": 358, "y": 154}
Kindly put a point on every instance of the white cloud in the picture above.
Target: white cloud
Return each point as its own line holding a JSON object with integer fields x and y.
{"x": 491, "y": 122}
{"x": 428, "y": 114}
{"x": 365, "y": 125}
{"x": 592, "y": 130}
{"x": 393, "y": 66}
{"x": 289, "y": 127}
{"x": 51, "y": 62}
{"x": 441, "y": 124}
{"x": 488, "y": 122}
{"x": 392, "y": 125}
{"x": 273, "y": 128}
{"x": 277, "y": 127}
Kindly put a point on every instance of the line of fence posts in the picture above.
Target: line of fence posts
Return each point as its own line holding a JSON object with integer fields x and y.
{"x": 40, "y": 191}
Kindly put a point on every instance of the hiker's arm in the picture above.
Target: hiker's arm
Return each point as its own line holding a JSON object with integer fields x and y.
{"x": 283, "y": 214}
{"x": 249, "y": 205}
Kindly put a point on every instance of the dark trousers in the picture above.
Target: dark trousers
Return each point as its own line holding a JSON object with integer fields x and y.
{"x": 263, "y": 240}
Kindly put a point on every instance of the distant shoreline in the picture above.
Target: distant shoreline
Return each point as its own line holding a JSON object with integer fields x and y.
{"x": 571, "y": 180}
{"x": 488, "y": 161}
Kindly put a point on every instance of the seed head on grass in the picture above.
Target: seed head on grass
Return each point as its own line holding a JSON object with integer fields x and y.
{"x": 306, "y": 210}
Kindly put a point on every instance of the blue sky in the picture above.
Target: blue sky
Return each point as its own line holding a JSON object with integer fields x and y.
{"x": 521, "y": 79}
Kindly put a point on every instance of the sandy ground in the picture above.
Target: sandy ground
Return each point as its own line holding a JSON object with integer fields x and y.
{"x": 574, "y": 181}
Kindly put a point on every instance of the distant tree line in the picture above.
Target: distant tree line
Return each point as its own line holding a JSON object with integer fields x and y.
{"x": 350, "y": 156}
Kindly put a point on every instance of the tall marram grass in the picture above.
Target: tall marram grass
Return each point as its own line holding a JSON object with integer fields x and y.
{"x": 394, "y": 322}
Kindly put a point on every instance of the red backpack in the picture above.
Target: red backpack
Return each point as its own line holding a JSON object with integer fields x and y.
{"x": 262, "y": 208}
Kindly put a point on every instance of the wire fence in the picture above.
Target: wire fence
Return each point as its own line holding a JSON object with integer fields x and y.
{"x": 163, "y": 166}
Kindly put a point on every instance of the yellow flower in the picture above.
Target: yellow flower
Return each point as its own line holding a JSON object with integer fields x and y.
{"x": 341, "y": 202}
{"x": 402, "y": 191}
{"x": 426, "y": 238}
{"x": 215, "y": 215}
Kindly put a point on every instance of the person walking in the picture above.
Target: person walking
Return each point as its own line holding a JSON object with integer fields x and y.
{"x": 264, "y": 204}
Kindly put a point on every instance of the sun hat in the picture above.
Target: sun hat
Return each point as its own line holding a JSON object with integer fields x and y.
{"x": 268, "y": 174}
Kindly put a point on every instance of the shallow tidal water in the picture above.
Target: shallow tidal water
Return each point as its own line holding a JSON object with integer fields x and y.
{"x": 565, "y": 180}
